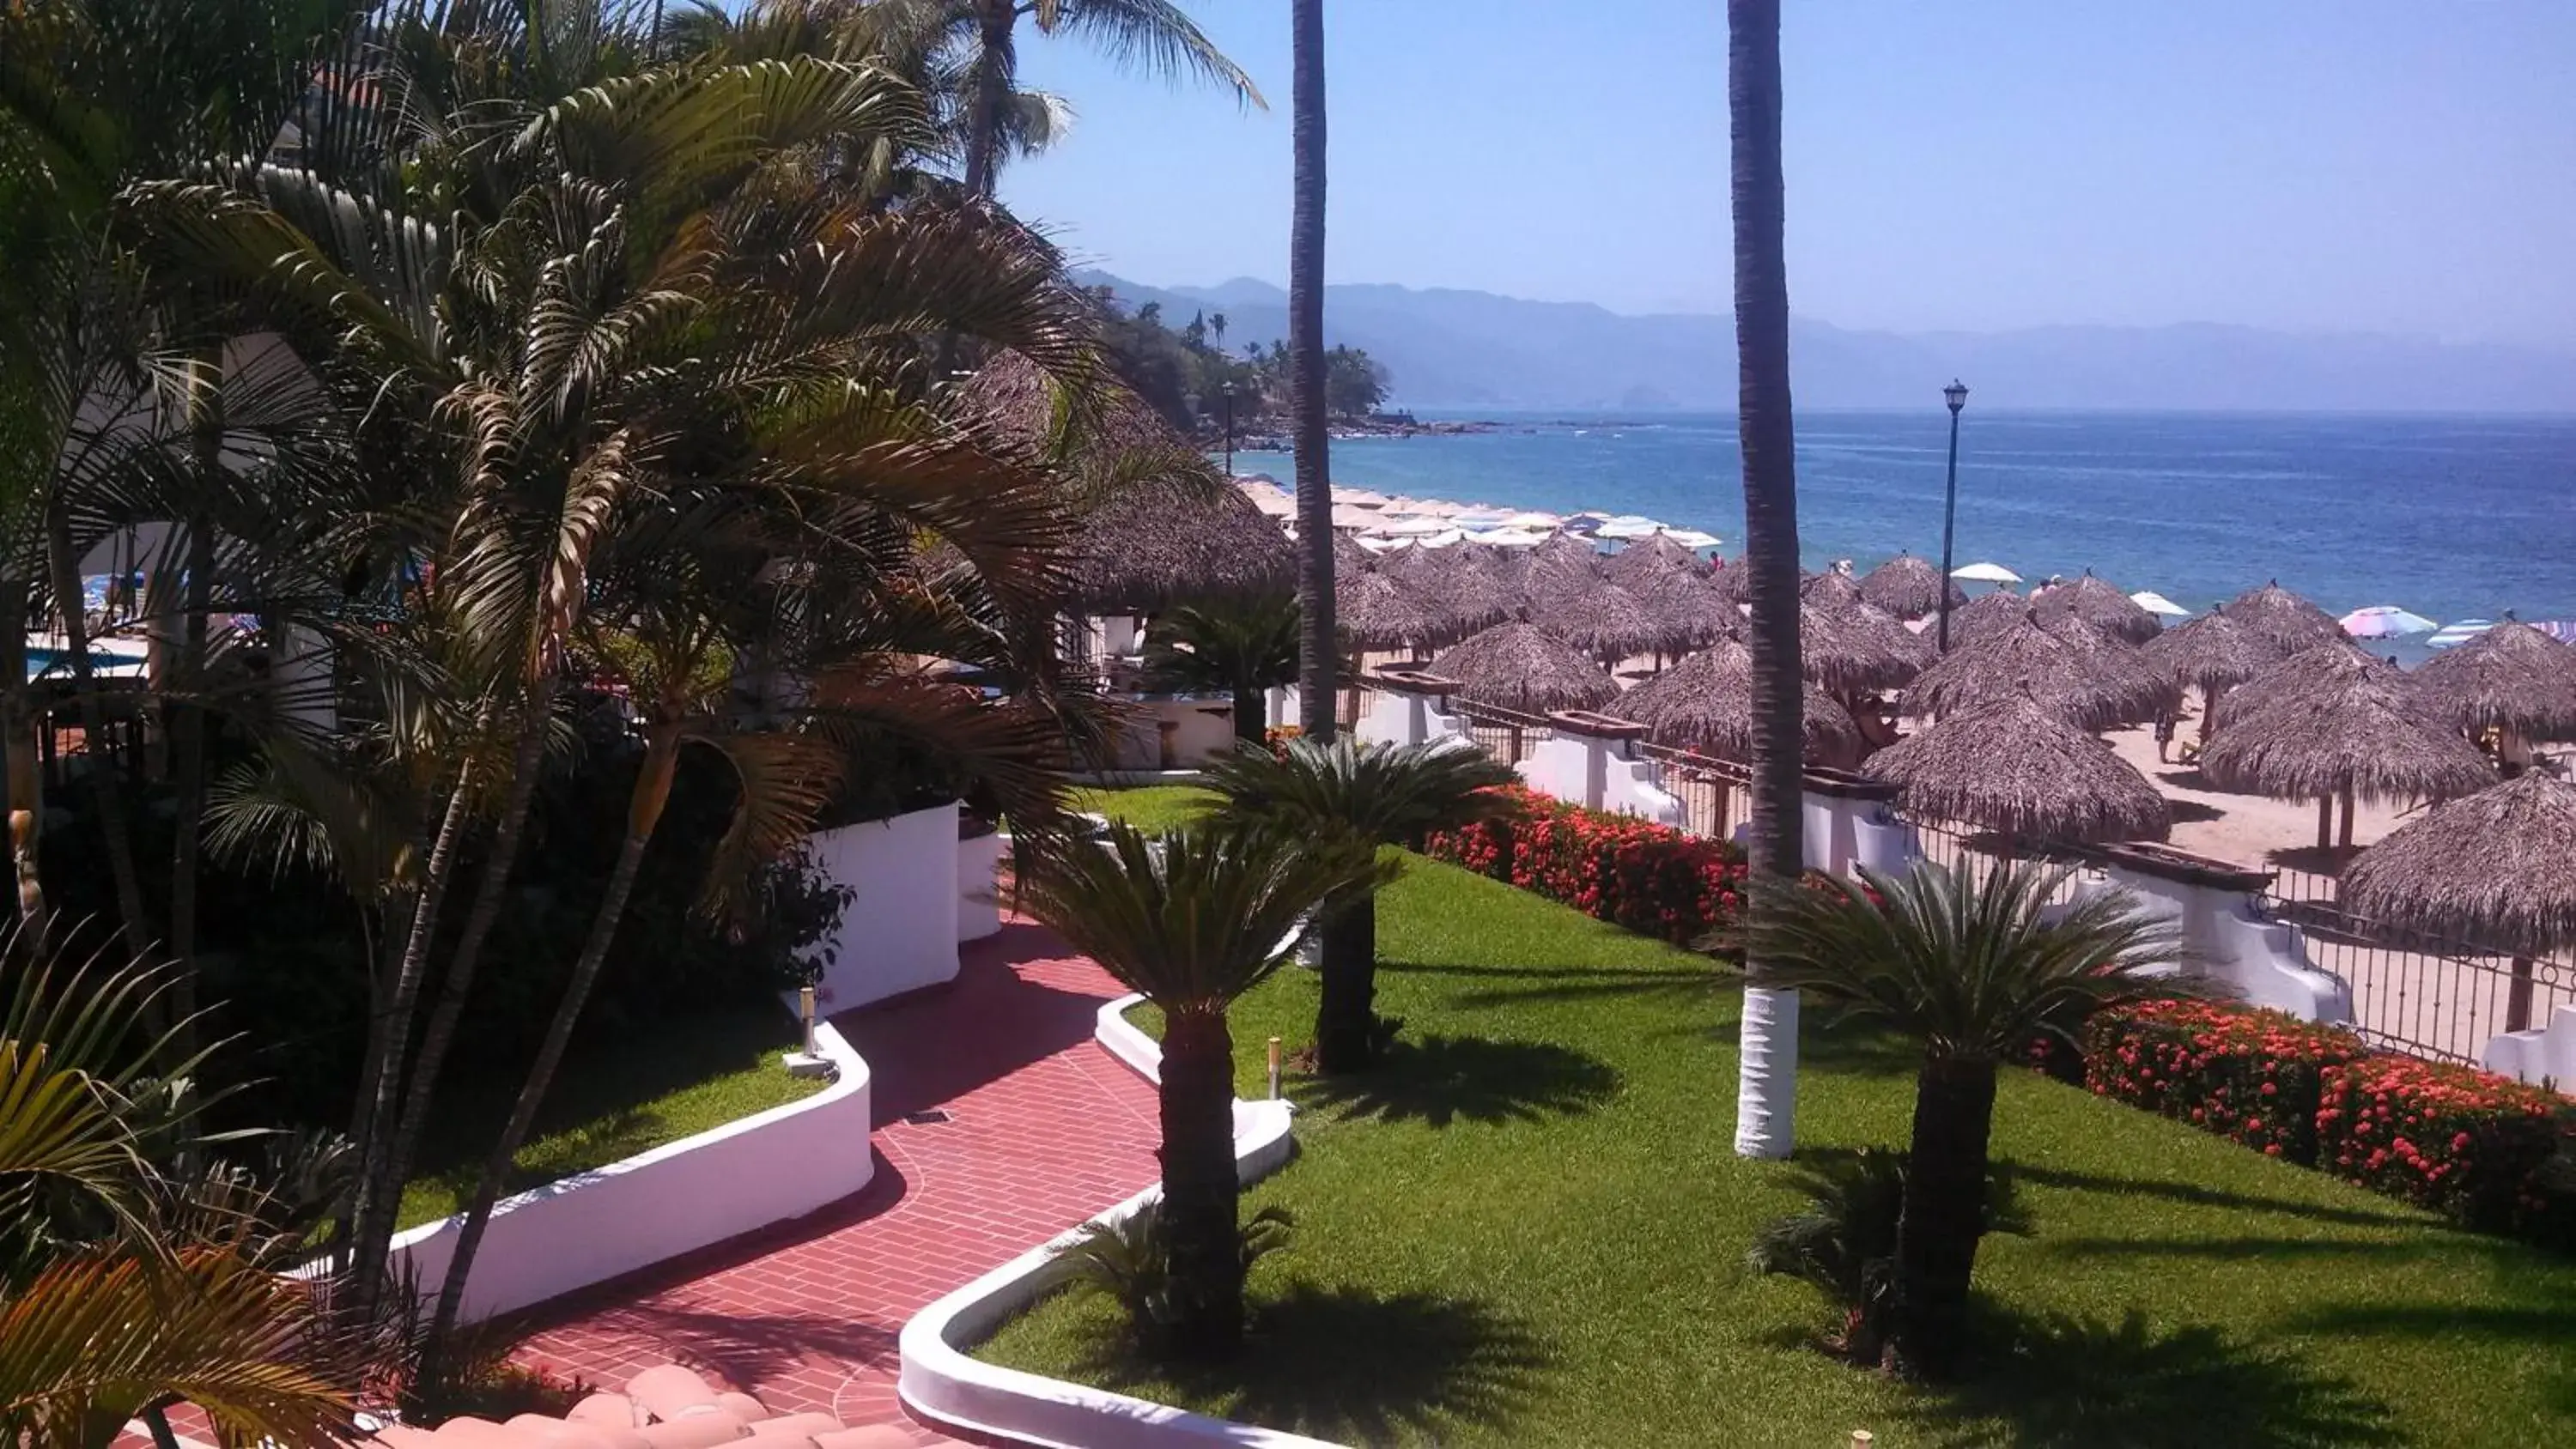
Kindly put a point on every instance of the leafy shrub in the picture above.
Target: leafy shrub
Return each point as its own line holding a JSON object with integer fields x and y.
{"x": 1130, "y": 1260}
{"x": 1652, "y": 879}
{"x": 2245, "y": 1074}
{"x": 2469, "y": 1144}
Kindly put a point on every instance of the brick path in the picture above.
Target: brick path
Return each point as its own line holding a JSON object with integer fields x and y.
{"x": 1042, "y": 1130}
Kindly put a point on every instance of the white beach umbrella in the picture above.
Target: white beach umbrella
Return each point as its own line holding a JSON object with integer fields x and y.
{"x": 1507, "y": 537}
{"x": 1543, "y": 522}
{"x": 2452, "y": 636}
{"x": 2383, "y": 621}
{"x": 2155, "y": 603}
{"x": 1629, "y": 528}
{"x": 1413, "y": 527}
{"x": 1376, "y": 544}
{"x": 1986, "y": 573}
{"x": 1359, "y": 497}
{"x": 1345, "y": 516}
{"x": 1693, "y": 538}
{"x": 1442, "y": 539}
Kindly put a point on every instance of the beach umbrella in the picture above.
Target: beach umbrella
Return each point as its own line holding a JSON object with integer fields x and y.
{"x": 1413, "y": 526}
{"x": 2562, "y": 630}
{"x": 2497, "y": 868}
{"x": 1523, "y": 667}
{"x": 1456, "y": 586}
{"x": 2015, "y": 765}
{"x": 1359, "y": 497}
{"x": 1986, "y": 614}
{"x": 1640, "y": 564}
{"x": 1854, "y": 650}
{"x": 2115, "y": 660}
{"x": 2453, "y": 635}
{"x": 2099, "y": 604}
{"x": 1985, "y": 573}
{"x": 1602, "y": 619}
{"x": 2382, "y": 621}
{"x": 1629, "y": 526}
{"x": 2290, "y": 622}
{"x": 2359, "y": 737}
{"x": 2212, "y": 651}
{"x": 1690, "y": 612}
{"x": 1539, "y": 523}
{"x": 1375, "y": 611}
{"x": 1585, "y": 524}
{"x": 1347, "y": 516}
{"x": 1566, "y": 554}
{"x": 2512, "y": 677}
{"x": 1506, "y": 537}
{"x": 1349, "y": 557}
{"x": 1270, "y": 498}
{"x": 2305, "y": 674}
{"x": 1908, "y": 587}
{"x": 2038, "y": 664}
{"x": 1705, "y": 703}
{"x": 2158, "y": 605}
{"x": 1833, "y": 587}
{"x": 1693, "y": 539}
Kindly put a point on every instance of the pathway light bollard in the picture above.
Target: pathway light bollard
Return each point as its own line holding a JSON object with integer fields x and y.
{"x": 1862, "y": 1439}
{"x": 805, "y": 1014}
{"x": 1274, "y": 1069}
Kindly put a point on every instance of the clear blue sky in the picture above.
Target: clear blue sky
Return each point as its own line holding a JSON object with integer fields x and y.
{"x": 2315, "y": 165}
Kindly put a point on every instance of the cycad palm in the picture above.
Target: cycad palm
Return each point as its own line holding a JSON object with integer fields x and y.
{"x": 1360, "y": 795}
{"x": 1242, "y": 647}
{"x": 1973, "y": 972}
{"x": 1193, "y": 919}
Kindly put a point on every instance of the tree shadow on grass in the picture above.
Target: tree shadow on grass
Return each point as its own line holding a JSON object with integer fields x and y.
{"x": 1356, "y": 1368}
{"x": 2192, "y": 1193}
{"x": 1439, "y": 1079}
{"x": 1533, "y": 984}
{"x": 2081, "y": 1381}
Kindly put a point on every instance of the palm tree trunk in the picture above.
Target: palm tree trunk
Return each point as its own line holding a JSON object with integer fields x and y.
{"x": 994, "y": 64}
{"x": 2343, "y": 825}
{"x": 21, "y": 770}
{"x": 1944, "y": 1214}
{"x": 103, "y": 768}
{"x": 644, "y": 812}
{"x": 1346, "y": 1006}
{"x": 1199, "y": 1182}
{"x": 188, "y": 771}
{"x": 2325, "y": 822}
{"x": 1317, "y": 648}
{"x": 1251, "y": 713}
{"x": 1767, "y": 1070}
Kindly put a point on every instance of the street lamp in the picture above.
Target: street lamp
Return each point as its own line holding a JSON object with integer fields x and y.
{"x": 1957, "y": 395}
{"x": 1229, "y": 427}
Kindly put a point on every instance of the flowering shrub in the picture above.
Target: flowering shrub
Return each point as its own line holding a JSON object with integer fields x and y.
{"x": 2467, "y": 1143}
{"x": 1278, "y": 738}
{"x": 2245, "y": 1074}
{"x": 1650, "y": 878}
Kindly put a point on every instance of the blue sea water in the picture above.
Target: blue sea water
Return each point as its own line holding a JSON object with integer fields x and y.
{"x": 2452, "y": 517}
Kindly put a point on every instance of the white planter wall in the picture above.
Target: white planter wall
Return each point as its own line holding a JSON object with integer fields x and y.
{"x": 899, "y": 933}
{"x": 2543, "y": 1054}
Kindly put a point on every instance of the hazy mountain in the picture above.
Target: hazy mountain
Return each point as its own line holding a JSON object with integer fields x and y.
{"x": 1460, "y": 349}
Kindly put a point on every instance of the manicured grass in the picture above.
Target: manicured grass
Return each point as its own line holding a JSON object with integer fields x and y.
{"x": 1147, "y": 807}
{"x": 1527, "y": 1230}
{"x": 611, "y": 1101}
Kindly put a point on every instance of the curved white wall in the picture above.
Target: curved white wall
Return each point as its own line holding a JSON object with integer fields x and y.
{"x": 979, "y": 902}
{"x": 593, "y": 1226}
{"x": 2543, "y": 1054}
{"x": 900, "y": 930}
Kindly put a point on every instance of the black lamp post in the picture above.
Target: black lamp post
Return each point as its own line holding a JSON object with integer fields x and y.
{"x": 1229, "y": 427}
{"x": 1957, "y": 394}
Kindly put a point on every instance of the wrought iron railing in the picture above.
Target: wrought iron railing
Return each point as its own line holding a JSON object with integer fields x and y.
{"x": 1714, "y": 793}
{"x": 1509, "y": 735}
{"x": 2418, "y": 992}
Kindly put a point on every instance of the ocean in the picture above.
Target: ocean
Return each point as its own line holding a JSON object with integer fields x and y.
{"x": 2451, "y": 517}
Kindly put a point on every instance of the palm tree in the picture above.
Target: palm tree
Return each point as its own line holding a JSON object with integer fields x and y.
{"x": 1973, "y": 972}
{"x": 1192, "y": 919}
{"x": 1364, "y": 796}
{"x": 1767, "y": 1073}
{"x": 1244, "y": 647}
{"x": 1319, "y": 650}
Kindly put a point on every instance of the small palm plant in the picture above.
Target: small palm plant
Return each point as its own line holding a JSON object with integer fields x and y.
{"x": 1973, "y": 972}
{"x": 1243, "y": 648}
{"x": 1192, "y": 919}
{"x": 1365, "y": 795}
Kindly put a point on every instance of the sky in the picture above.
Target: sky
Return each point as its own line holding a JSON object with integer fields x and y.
{"x": 2403, "y": 166}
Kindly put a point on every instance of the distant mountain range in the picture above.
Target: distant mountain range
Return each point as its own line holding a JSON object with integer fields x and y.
{"x": 1470, "y": 350}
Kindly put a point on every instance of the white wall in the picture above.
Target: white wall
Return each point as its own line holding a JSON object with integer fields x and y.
{"x": 1588, "y": 771}
{"x": 2543, "y": 1054}
{"x": 1842, "y": 832}
{"x": 900, "y": 930}
{"x": 979, "y": 903}
{"x": 2227, "y": 938}
{"x": 591, "y": 1227}
{"x": 1206, "y": 730}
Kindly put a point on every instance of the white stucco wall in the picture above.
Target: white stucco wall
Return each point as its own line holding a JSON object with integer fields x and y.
{"x": 1204, "y": 730}
{"x": 979, "y": 904}
{"x": 593, "y": 1226}
{"x": 1559, "y": 766}
{"x": 2543, "y": 1054}
{"x": 1842, "y": 832}
{"x": 2265, "y": 960}
{"x": 899, "y": 932}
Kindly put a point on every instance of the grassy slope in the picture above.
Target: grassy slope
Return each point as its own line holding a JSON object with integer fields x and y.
{"x": 1530, "y": 1235}
{"x": 1147, "y": 807}
{"x": 612, "y": 1101}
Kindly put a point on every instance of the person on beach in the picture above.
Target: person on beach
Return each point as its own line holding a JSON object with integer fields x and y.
{"x": 2165, "y": 723}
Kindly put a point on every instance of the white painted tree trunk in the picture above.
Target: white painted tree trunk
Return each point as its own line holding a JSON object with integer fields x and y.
{"x": 1766, "y": 1084}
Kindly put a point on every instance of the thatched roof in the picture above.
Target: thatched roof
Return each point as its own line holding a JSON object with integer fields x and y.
{"x": 1601, "y": 619}
{"x": 1349, "y": 557}
{"x": 1521, "y": 666}
{"x": 2149, "y": 690}
{"x": 1644, "y": 562}
{"x": 1705, "y": 703}
{"x": 1832, "y": 587}
{"x": 1852, "y": 648}
{"x": 2031, "y": 661}
{"x": 2212, "y": 651}
{"x": 1985, "y": 614}
{"x": 2303, "y": 676}
{"x": 1455, "y": 588}
{"x": 2015, "y": 765}
{"x": 2497, "y": 868}
{"x": 2290, "y": 622}
{"x": 1564, "y": 555}
{"x": 2101, "y": 605}
{"x": 1689, "y": 612}
{"x": 2361, "y": 734}
{"x": 1908, "y": 587}
{"x": 1377, "y": 611}
{"x": 2513, "y": 676}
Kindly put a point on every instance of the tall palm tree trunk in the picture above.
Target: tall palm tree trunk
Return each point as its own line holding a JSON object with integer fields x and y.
{"x": 1251, "y": 712}
{"x": 1346, "y": 1005}
{"x": 1199, "y": 1182}
{"x": 21, "y": 770}
{"x": 644, "y": 812}
{"x": 109, "y": 799}
{"x": 994, "y": 63}
{"x": 188, "y": 770}
{"x": 1944, "y": 1213}
{"x": 1767, "y": 1077}
{"x": 1317, "y": 649}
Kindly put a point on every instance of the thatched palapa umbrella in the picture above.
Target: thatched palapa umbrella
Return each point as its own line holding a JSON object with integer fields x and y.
{"x": 1689, "y": 611}
{"x": 1523, "y": 667}
{"x": 1909, "y": 587}
{"x": 2101, "y": 605}
{"x": 1644, "y": 562}
{"x": 1375, "y": 611}
{"x": 1854, "y": 650}
{"x": 2116, "y": 661}
{"x": 2360, "y": 736}
{"x": 1603, "y": 620}
{"x": 1705, "y": 703}
{"x": 2290, "y": 622}
{"x": 1564, "y": 555}
{"x": 2037, "y": 663}
{"x": 2014, "y": 765}
{"x": 2497, "y": 868}
{"x": 2212, "y": 652}
{"x": 1832, "y": 588}
{"x": 1453, "y": 587}
{"x": 1985, "y": 614}
{"x": 2512, "y": 677}
{"x": 2304, "y": 675}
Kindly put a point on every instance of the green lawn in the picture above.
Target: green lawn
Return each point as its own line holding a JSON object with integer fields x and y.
{"x": 610, "y": 1102}
{"x": 1147, "y": 807}
{"x": 1526, "y": 1230}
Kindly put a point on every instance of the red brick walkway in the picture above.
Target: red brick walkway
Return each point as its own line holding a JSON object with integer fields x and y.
{"x": 1041, "y": 1129}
